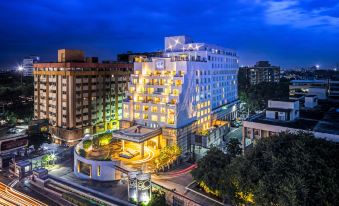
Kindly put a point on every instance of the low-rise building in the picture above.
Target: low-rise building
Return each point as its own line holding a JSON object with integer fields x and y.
{"x": 288, "y": 116}
{"x": 322, "y": 88}
{"x": 13, "y": 142}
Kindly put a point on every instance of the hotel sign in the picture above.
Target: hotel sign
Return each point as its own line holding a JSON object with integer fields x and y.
{"x": 160, "y": 64}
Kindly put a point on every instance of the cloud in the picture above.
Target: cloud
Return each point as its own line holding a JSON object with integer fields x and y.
{"x": 293, "y": 14}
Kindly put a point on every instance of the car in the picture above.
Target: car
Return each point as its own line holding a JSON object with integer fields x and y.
{"x": 235, "y": 124}
{"x": 126, "y": 155}
{"x": 132, "y": 152}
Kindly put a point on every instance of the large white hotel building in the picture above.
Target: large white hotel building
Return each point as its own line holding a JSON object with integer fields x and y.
{"x": 183, "y": 97}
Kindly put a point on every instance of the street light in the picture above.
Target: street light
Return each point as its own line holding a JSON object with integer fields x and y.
{"x": 317, "y": 66}
{"x": 21, "y": 69}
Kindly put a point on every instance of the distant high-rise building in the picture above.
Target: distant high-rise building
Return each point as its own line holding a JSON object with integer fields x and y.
{"x": 79, "y": 96}
{"x": 27, "y": 65}
{"x": 262, "y": 71}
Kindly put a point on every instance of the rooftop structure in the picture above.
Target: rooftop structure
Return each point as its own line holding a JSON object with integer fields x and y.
{"x": 322, "y": 88}
{"x": 288, "y": 116}
{"x": 137, "y": 56}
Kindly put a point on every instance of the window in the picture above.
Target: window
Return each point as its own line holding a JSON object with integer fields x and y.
{"x": 98, "y": 171}
{"x": 154, "y": 118}
{"x": 145, "y": 116}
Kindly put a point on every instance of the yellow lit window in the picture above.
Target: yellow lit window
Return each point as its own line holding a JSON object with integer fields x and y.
{"x": 170, "y": 111}
{"x": 126, "y": 115}
{"x": 98, "y": 171}
{"x": 137, "y": 107}
{"x": 145, "y": 108}
{"x": 145, "y": 116}
{"x": 175, "y": 92}
{"x": 163, "y": 110}
{"x": 125, "y": 107}
{"x": 154, "y": 109}
{"x": 170, "y": 121}
{"x": 156, "y": 99}
{"x": 162, "y": 118}
{"x": 137, "y": 115}
{"x": 154, "y": 118}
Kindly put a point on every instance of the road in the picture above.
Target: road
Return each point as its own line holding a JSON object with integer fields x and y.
{"x": 11, "y": 197}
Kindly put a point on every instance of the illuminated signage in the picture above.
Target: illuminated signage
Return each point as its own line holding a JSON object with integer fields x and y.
{"x": 160, "y": 64}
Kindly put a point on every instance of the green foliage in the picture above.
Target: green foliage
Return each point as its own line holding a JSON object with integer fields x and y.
{"x": 158, "y": 198}
{"x": 167, "y": 156}
{"x": 102, "y": 139}
{"x": 78, "y": 200}
{"x": 82, "y": 152}
{"x": 10, "y": 90}
{"x": 45, "y": 158}
{"x": 255, "y": 97}
{"x": 37, "y": 140}
{"x": 207, "y": 174}
{"x": 87, "y": 144}
{"x": 288, "y": 169}
{"x": 233, "y": 147}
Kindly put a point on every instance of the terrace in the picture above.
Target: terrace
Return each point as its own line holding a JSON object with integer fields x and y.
{"x": 131, "y": 148}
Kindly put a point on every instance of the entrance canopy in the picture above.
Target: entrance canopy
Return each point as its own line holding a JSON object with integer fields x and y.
{"x": 136, "y": 133}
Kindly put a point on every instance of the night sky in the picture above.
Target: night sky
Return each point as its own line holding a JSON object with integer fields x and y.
{"x": 288, "y": 33}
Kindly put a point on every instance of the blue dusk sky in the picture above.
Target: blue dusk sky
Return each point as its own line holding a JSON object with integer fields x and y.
{"x": 288, "y": 33}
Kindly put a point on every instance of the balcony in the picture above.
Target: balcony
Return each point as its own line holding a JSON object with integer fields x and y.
{"x": 186, "y": 58}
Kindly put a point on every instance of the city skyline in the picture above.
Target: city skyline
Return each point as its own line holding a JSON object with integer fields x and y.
{"x": 287, "y": 33}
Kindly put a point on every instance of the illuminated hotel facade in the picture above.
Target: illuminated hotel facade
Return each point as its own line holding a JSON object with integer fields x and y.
{"x": 186, "y": 94}
{"x": 79, "y": 95}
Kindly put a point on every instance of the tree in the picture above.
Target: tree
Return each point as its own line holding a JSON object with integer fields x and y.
{"x": 233, "y": 147}
{"x": 287, "y": 169}
{"x": 158, "y": 198}
{"x": 87, "y": 144}
{"x": 207, "y": 174}
{"x": 37, "y": 140}
{"x": 255, "y": 97}
{"x": 167, "y": 156}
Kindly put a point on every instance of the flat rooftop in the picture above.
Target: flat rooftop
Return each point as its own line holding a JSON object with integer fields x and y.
{"x": 304, "y": 124}
{"x": 310, "y": 120}
{"x": 329, "y": 123}
{"x": 136, "y": 133}
{"x": 7, "y": 132}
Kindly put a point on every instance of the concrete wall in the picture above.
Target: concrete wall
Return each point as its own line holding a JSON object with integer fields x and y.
{"x": 283, "y": 104}
{"x": 107, "y": 168}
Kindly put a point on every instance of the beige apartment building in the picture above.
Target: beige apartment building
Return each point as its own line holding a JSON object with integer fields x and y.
{"x": 79, "y": 95}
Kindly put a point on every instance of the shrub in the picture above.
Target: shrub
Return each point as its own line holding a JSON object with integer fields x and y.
{"x": 87, "y": 144}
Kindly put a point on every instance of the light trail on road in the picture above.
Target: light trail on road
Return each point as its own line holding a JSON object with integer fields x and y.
{"x": 11, "y": 197}
{"x": 179, "y": 173}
